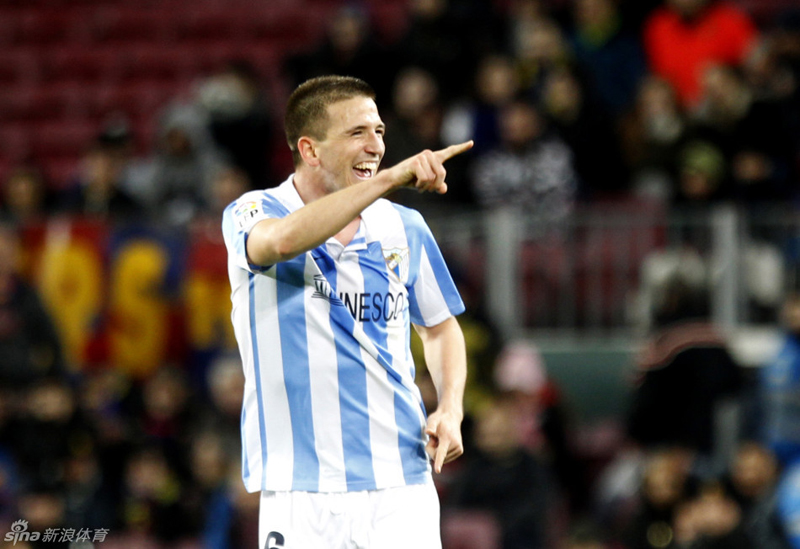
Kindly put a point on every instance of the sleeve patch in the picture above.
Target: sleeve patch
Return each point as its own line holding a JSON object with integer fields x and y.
{"x": 245, "y": 213}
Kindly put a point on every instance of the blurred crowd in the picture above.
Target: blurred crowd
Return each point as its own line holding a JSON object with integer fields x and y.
{"x": 686, "y": 103}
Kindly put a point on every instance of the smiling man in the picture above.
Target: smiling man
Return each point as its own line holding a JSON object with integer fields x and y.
{"x": 327, "y": 278}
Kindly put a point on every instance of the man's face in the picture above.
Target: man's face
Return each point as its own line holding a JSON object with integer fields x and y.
{"x": 353, "y": 146}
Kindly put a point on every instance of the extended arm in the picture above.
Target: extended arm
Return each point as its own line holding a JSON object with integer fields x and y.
{"x": 274, "y": 240}
{"x": 446, "y": 358}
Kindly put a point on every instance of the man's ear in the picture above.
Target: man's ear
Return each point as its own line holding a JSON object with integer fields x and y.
{"x": 308, "y": 151}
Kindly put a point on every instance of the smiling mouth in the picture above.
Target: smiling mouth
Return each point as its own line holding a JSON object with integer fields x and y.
{"x": 365, "y": 170}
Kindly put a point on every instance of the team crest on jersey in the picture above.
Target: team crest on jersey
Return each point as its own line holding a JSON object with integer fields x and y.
{"x": 245, "y": 212}
{"x": 397, "y": 261}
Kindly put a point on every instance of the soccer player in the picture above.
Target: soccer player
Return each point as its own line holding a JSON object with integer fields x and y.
{"x": 327, "y": 277}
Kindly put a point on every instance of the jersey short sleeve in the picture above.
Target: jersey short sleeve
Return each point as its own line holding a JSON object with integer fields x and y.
{"x": 432, "y": 294}
{"x": 241, "y": 216}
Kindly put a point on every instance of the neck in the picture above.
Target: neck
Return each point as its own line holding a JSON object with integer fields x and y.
{"x": 309, "y": 187}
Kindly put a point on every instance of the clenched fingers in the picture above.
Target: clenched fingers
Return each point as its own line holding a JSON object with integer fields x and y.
{"x": 444, "y": 445}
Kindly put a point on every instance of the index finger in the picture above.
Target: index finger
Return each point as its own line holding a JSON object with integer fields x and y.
{"x": 441, "y": 454}
{"x": 453, "y": 150}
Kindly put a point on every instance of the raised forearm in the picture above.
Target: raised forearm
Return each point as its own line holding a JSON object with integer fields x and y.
{"x": 445, "y": 356}
{"x": 275, "y": 240}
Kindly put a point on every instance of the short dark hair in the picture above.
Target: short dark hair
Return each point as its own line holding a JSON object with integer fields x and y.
{"x": 307, "y": 108}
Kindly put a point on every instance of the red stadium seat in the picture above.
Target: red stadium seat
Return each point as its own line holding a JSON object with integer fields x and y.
{"x": 45, "y": 26}
{"x": 36, "y": 102}
{"x": 64, "y": 138}
{"x": 19, "y": 65}
{"x": 120, "y": 24}
{"x": 81, "y": 63}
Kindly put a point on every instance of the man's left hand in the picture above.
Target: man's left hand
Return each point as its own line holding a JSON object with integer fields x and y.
{"x": 444, "y": 444}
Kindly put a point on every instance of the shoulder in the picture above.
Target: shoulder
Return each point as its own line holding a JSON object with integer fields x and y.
{"x": 258, "y": 202}
{"x": 386, "y": 212}
{"x": 388, "y": 221}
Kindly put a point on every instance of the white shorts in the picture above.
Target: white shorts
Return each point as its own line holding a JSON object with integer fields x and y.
{"x": 402, "y": 517}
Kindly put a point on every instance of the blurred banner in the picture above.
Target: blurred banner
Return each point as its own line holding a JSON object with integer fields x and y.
{"x": 132, "y": 297}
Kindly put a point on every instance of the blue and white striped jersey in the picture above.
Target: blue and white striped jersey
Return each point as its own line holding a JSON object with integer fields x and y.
{"x": 330, "y": 402}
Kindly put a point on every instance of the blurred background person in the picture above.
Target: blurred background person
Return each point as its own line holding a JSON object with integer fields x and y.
{"x": 608, "y": 53}
{"x": 26, "y": 199}
{"x": 414, "y": 123}
{"x": 180, "y": 172}
{"x": 29, "y": 344}
{"x": 508, "y": 481}
{"x": 238, "y": 117}
{"x": 751, "y": 134}
{"x": 98, "y": 192}
{"x": 349, "y": 48}
{"x": 686, "y": 373}
{"x": 780, "y": 387}
{"x": 589, "y": 132}
{"x": 752, "y": 481}
{"x": 531, "y": 168}
{"x": 652, "y": 133}
{"x": 477, "y": 116}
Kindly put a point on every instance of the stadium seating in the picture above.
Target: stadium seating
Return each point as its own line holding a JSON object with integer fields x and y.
{"x": 68, "y": 65}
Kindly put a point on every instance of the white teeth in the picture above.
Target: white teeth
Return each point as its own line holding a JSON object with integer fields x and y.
{"x": 369, "y": 167}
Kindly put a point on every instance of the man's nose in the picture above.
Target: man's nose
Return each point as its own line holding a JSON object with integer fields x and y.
{"x": 375, "y": 143}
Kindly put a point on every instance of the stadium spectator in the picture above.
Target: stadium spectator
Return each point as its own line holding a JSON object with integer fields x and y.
{"x": 752, "y": 481}
{"x": 520, "y": 17}
{"x": 209, "y": 464}
{"x": 751, "y": 134}
{"x": 652, "y": 134}
{"x": 153, "y": 510}
{"x": 477, "y": 117}
{"x": 29, "y": 344}
{"x": 414, "y": 123}
{"x": 231, "y": 515}
{"x": 181, "y": 170}
{"x": 608, "y": 53}
{"x": 505, "y": 479}
{"x": 25, "y": 198}
{"x": 686, "y": 355}
{"x": 445, "y": 38}
{"x": 541, "y": 417}
{"x": 780, "y": 384}
{"x": 589, "y": 132}
{"x": 701, "y": 176}
{"x": 226, "y": 185}
{"x": 97, "y": 192}
{"x": 414, "y": 120}
{"x": 48, "y": 431}
{"x": 222, "y": 414}
{"x": 165, "y": 414}
{"x": 44, "y": 507}
{"x": 587, "y": 534}
{"x": 350, "y": 48}
{"x": 239, "y": 119}
{"x": 710, "y": 520}
{"x": 89, "y": 495}
{"x": 683, "y": 38}
{"x": 539, "y": 48}
{"x": 531, "y": 168}
{"x": 665, "y": 483}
